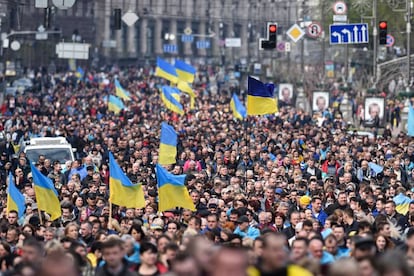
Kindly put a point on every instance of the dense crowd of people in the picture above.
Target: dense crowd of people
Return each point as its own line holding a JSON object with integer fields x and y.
{"x": 292, "y": 193}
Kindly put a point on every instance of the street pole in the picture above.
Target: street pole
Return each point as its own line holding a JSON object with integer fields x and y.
{"x": 288, "y": 53}
{"x": 323, "y": 38}
{"x": 409, "y": 7}
{"x": 302, "y": 49}
{"x": 375, "y": 42}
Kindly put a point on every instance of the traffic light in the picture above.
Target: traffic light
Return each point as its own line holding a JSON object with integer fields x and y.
{"x": 271, "y": 41}
{"x": 117, "y": 19}
{"x": 382, "y": 26}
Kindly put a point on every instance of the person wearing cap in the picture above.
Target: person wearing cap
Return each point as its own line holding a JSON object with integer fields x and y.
{"x": 245, "y": 230}
{"x": 89, "y": 176}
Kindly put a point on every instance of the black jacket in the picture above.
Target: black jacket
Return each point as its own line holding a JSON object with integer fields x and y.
{"x": 103, "y": 271}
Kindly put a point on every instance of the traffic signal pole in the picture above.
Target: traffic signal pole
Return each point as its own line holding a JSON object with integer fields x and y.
{"x": 375, "y": 42}
{"x": 409, "y": 7}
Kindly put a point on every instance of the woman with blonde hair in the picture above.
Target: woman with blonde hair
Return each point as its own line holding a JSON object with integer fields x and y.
{"x": 72, "y": 230}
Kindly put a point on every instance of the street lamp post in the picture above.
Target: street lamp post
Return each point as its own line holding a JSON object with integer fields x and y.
{"x": 375, "y": 42}
{"x": 408, "y": 19}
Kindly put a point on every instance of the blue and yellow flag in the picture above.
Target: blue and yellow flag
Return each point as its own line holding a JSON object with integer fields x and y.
{"x": 171, "y": 191}
{"x": 46, "y": 195}
{"x": 115, "y": 104}
{"x": 410, "y": 120}
{"x": 15, "y": 199}
{"x": 186, "y": 88}
{"x": 166, "y": 71}
{"x": 121, "y": 92}
{"x": 80, "y": 73}
{"x": 168, "y": 145}
{"x": 402, "y": 203}
{"x": 375, "y": 167}
{"x": 122, "y": 191}
{"x": 239, "y": 111}
{"x": 184, "y": 71}
{"x": 175, "y": 92}
{"x": 167, "y": 97}
{"x": 260, "y": 98}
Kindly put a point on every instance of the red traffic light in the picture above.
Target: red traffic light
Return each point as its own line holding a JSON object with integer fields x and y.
{"x": 272, "y": 28}
{"x": 383, "y": 24}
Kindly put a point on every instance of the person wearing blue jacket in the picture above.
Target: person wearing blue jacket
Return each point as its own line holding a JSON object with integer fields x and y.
{"x": 244, "y": 230}
{"x": 317, "y": 212}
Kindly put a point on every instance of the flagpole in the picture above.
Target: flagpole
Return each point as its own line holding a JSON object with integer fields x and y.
{"x": 40, "y": 216}
{"x": 110, "y": 214}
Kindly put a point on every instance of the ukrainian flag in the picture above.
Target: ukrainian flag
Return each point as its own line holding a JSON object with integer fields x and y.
{"x": 410, "y": 120}
{"x": 168, "y": 145}
{"x": 402, "y": 203}
{"x": 171, "y": 191}
{"x": 239, "y": 111}
{"x": 15, "y": 199}
{"x": 46, "y": 195}
{"x": 121, "y": 92}
{"x": 121, "y": 190}
{"x": 167, "y": 97}
{"x": 184, "y": 71}
{"x": 115, "y": 104}
{"x": 175, "y": 92}
{"x": 80, "y": 73}
{"x": 260, "y": 99}
{"x": 166, "y": 71}
{"x": 186, "y": 88}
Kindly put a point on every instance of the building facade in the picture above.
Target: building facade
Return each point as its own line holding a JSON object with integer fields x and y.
{"x": 199, "y": 27}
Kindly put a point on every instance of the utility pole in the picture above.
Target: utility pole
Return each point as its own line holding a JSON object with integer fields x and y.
{"x": 409, "y": 10}
{"x": 323, "y": 38}
{"x": 302, "y": 48}
{"x": 375, "y": 42}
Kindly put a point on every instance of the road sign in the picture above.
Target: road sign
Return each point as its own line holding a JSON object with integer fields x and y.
{"x": 287, "y": 47}
{"x": 281, "y": 46}
{"x": 109, "y": 43}
{"x": 340, "y": 17}
{"x": 41, "y": 36}
{"x": 340, "y": 7}
{"x": 63, "y": 4}
{"x": 233, "y": 42}
{"x": 188, "y": 31}
{"x": 170, "y": 48}
{"x": 314, "y": 30}
{"x": 348, "y": 33}
{"x": 187, "y": 38}
{"x": 73, "y": 50}
{"x": 390, "y": 41}
{"x": 130, "y": 18}
{"x": 295, "y": 33}
{"x": 203, "y": 44}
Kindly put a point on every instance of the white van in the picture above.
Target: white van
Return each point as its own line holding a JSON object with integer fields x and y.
{"x": 53, "y": 148}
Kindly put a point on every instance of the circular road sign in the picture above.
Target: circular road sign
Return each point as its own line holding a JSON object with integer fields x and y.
{"x": 390, "y": 40}
{"x": 15, "y": 45}
{"x": 340, "y": 7}
{"x": 63, "y": 4}
{"x": 281, "y": 46}
{"x": 314, "y": 30}
{"x": 188, "y": 31}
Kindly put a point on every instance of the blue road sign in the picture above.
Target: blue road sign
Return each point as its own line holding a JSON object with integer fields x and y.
{"x": 187, "y": 38}
{"x": 348, "y": 33}
{"x": 203, "y": 44}
{"x": 170, "y": 48}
